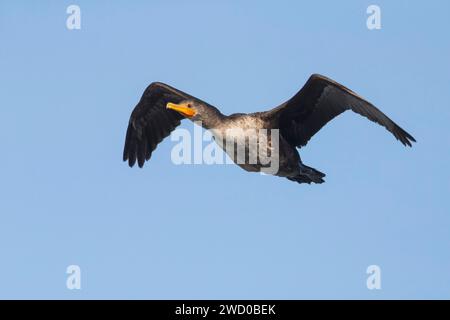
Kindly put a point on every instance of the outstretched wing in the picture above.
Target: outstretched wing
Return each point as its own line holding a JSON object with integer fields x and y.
{"x": 318, "y": 102}
{"x": 150, "y": 122}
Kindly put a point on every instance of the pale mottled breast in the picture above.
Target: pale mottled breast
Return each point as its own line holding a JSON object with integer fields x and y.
{"x": 245, "y": 121}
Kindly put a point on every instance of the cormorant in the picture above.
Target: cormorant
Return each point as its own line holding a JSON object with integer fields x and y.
{"x": 162, "y": 107}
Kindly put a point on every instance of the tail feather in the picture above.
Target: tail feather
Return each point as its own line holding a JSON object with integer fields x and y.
{"x": 308, "y": 175}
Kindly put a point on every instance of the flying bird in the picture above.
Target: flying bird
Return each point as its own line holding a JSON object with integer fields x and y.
{"x": 162, "y": 107}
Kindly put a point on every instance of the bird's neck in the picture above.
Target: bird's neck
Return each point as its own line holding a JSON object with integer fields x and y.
{"x": 214, "y": 119}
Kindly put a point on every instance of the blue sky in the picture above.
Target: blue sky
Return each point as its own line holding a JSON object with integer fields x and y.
{"x": 67, "y": 198}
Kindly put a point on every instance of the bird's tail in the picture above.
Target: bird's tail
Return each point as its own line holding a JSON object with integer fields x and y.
{"x": 308, "y": 175}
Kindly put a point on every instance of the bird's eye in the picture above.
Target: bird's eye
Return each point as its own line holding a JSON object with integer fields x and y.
{"x": 189, "y": 105}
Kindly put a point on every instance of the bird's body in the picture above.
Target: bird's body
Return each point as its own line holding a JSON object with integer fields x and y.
{"x": 238, "y": 128}
{"x": 254, "y": 141}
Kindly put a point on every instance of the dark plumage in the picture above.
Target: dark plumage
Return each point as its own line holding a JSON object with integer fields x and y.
{"x": 150, "y": 122}
{"x": 298, "y": 119}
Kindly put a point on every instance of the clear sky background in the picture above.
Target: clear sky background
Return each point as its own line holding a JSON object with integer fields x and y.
{"x": 198, "y": 231}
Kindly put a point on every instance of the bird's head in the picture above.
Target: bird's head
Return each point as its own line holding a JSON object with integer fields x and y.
{"x": 195, "y": 111}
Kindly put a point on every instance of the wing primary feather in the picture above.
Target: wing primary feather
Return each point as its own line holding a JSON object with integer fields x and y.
{"x": 318, "y": 102}
{"x": 150, "y": 122}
